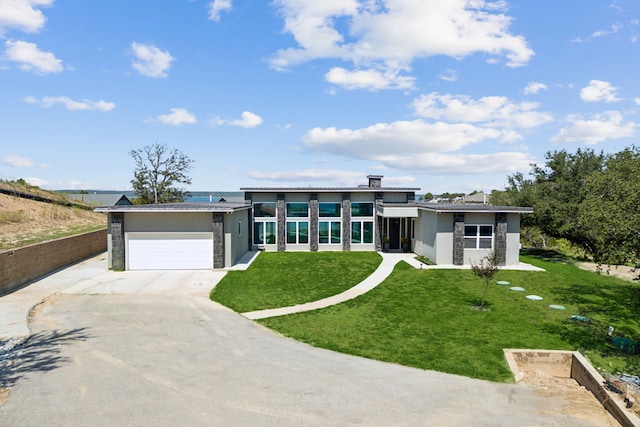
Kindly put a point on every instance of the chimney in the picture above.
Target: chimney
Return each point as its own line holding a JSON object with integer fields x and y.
{"x": 375, "y": 181}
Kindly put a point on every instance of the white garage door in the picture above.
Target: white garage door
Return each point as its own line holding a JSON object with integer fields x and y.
{"x": 169, "y": 251}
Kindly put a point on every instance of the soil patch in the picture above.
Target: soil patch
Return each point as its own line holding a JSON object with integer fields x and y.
{"x": 619, "y": 271}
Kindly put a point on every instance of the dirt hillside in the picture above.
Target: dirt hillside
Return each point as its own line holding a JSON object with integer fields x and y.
{"x": 24, "y": 221}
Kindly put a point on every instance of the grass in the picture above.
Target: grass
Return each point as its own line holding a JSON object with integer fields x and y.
{"x": 424, "y": 319}
{"x": 30, "y": 239}
{"x": 283, "y": 279}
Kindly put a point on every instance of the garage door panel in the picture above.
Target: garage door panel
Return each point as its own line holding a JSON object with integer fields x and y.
{"x": 169, "y": 251}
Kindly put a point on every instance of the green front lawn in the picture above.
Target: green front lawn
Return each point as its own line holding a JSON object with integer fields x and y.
{"x": 277, "y": 279}
{"x": 424, "y": 319}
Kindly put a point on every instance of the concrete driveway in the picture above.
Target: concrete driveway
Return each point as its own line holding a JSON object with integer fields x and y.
{"x": 172, "y": 357}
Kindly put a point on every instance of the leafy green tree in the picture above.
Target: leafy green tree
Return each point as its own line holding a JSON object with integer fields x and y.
{"x": 610, "y": 212}
{"x": 158, "y": 170}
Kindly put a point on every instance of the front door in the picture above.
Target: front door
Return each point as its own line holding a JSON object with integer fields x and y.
{"x": 394, "y": 233}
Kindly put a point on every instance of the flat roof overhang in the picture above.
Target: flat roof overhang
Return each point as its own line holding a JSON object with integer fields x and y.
{"x": 455, "y": 208}
{"x": 220, "y": 207}
{"x": 398, "y": 211}
{"x": 329, "y": 190}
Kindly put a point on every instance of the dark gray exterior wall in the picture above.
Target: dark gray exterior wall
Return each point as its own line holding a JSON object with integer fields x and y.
{"x": 500, "y": 245}
{"x": 218, "y": 240}
{"x": 458, "y": 239}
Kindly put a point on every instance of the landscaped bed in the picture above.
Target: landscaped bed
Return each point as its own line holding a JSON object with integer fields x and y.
{"x": 423, "y": 318}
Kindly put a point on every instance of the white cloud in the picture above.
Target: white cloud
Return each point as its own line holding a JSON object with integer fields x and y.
{"x": 534, "y": 88}
{"x": 636, "y": 100}
{"x": 22, "y": 15}
{"x": 368, "y": 79}
{"x": 177, "y": 117}
{"x": 492, "y": 111}
{"x": 20, "y": 162}
{"x": 449, "y": 76}
{"x": 70, "y": 104}
{"x": 328, "y": 177}
{"x": 216, "y": 7}
{"x": 151, "y": 61}
{"x": 599, "y": 91}
{"x": 607, "y": 126}
{"x": 389, "y": 36}
{"x": 247, "y": 120}
{"x": 463, "y": 164}
{"x": 32, "y": 59}
{"x": 614, "y": 29}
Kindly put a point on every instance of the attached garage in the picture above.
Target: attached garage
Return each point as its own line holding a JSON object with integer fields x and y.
{"x": 169, "y": 251}
{"x": 178, "y": 236}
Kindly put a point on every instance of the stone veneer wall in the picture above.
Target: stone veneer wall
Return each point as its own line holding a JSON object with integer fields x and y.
{"x": 218, "y": 240}
{"x": 22, "y": 265}
{"x": 346, "y": 221}
{"x": 458, "y": 238}
{"x": 281, "y": 227}
{"x": 116, "y": 225}
{"x": 500, "y": 243}
{"x": 314, "y": 212}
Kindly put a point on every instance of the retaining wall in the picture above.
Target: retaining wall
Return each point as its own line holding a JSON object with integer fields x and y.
{"x": 22, "y": 265}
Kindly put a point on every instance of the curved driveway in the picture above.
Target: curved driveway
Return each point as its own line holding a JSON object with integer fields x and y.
{"x": 176, "y": 358}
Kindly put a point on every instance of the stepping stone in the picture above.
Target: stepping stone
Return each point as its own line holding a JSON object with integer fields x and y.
{"x": 557, "y": 306}
{"x": 502, "y": 283}
{"x": 534, "y": 297}
{"x": 517, "y": 289}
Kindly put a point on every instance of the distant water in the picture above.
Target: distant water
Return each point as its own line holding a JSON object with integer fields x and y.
{"x": 200, "y": 199}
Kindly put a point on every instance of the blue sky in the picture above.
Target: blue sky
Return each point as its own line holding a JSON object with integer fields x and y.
{"x": 445, "y": 95}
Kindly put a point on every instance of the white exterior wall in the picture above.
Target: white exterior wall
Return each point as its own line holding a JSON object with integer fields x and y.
{"x": 475, "y": 256}
{"x": 444, "y": 238}
{"x": 513, "y": 239}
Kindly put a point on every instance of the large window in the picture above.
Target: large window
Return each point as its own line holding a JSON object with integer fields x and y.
{"x": 361, "y": 232}
{"x": 329, "y": 210}
{"x": 329, "y": 232}
{"x": 298, "y": 232}
{"x": 264, "y": 233}
{"x": 361, "y": 209}
{"x": 297, "y": 210}
{"x": 478, "y": 236}
{"x": 264, "y": 228}
{"x": 264, "y": 210}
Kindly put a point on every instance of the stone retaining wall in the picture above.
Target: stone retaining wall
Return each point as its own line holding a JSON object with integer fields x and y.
{"x": 22, "y": 265}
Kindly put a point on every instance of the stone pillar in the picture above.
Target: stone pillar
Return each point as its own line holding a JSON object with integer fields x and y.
{"x": 346, "y": 221}
{"x": 118, "y": 256}
{"x": 379, "y": 221}
{"x": 281, "y": 230}
{"x": 218, "y": 240}
{"x": 500, "y": 243}
{"x": 313, "y": 222}
{"x": 248, "y": 201}
{"x": 458, "y": 239}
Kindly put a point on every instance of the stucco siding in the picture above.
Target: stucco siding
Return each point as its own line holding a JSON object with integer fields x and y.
{"x": 444, "y": 239}
{"x": 236, "y": 227}
{"x": 513, "y": 239}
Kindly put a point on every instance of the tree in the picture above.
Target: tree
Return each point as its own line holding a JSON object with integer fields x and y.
{"x": 158, "y": 170}
{"x": 486, "y": 270}
{"x": 609, "y": 213}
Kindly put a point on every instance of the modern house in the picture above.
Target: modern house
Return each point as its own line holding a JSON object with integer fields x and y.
{"x": 365, "y": 218}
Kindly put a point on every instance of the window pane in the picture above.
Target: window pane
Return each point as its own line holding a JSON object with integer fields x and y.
{"x": 356, "y": 236}
{"x": 264, "y": 210}
{"x": 368, "y": 232}
{"x": 270, "y": 233}
{"x": 258, "y": 233}
{"x": 329, "y": 209}
{"x": 486, "y": 230}
{"x": 485, "y": 243}
{"x": 470, "y": 243}
{"x": 470, "y": 230}
{"x": 303, "y": 232}
{"x": 292, "y": 232}
{"x": 361, "y": 209}
{"x": 323, "y": 232}
{"x": 298, "y": 210}
{"x": 335, "y": 232}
